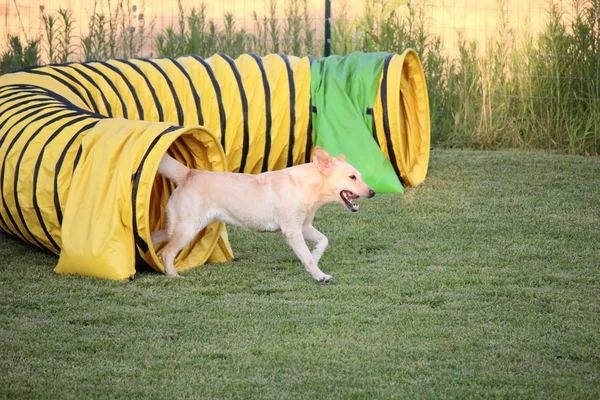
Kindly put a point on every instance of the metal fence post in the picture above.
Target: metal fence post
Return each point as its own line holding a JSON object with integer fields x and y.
{"x": 327, "y": 28}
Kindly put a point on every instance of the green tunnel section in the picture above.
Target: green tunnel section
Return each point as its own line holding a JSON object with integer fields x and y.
{"x": 343, "y": 91}
{"x": 80, "y": 143}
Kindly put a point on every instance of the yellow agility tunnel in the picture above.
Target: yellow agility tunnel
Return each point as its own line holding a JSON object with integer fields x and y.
{"x": 80, "y": 143}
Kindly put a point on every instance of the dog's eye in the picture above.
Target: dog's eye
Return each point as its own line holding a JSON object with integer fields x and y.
{"x": 353, "y": 177}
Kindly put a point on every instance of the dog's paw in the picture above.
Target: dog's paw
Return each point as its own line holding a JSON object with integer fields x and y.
{"x": 326, "y": 278}
{"x": 173, "y": 274}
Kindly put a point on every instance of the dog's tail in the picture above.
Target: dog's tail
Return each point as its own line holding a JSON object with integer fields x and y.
{"x": 173, "y": 169}
{"x": 159, "y": 236}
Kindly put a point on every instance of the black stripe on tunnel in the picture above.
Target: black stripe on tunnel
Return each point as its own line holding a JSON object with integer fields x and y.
{"x": 292, "y": 86}
{"x": 93, "y": 83}
{"x": 58, "y": 167}
{"x": 110, "y": 83}
{"x": 215, "y": 84}
{"x": 36, "y": 171}
{"x": 269, "y": 122}
{"x": 59, "y": 79}
{"x": 8, "y": 92}
{"x": 244, "y": 99}
{"x": 10, "y": 95}
{"x": 195, "y": 95}
{"x": 49, "y": 101}
{"x": 55, "y": 99}
{"x": 309, "y": 128}
{"x": 171, "y": 88}
{"x": 19, "y": 96}
{"x": 3, "y": 225}
{"x": 386, "y": 120}
{"x": 134, "y": 93}
{"x": 159, "y": 109}
{"x": 373, "y": 125}
{"x": 38, "y": 109}
{"x": 14, "y": 95}
{"x": 91, "y": 102}
{"x": 23, "y": 86}
{"x": 3, "y": 169}
{"x": 62, "y": 102}
{"x": 18, "y": 169}
{"x": 35, "y": 107}
{"x": 136, "y": 182}
{"x": 77, "y": 158}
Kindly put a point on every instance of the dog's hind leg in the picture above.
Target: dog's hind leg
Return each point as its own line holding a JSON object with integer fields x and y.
{"x": 313, "y": 235}
{"x": 296, "y": 240}
{"x": 159, "y": 236}
{"x": 180, "y": 237}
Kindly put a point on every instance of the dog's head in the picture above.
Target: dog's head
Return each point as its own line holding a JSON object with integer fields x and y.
{"x": 343, "y": 183}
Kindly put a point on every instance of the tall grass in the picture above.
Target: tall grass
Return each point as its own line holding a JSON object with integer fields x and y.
{"x": 58, "y": 39}
{"x": 516, "y": 89}
{"x": 308, "y": 31}
{"x": 118, "y": 32}
{"x": 273, "y": 26}
{"x": 292, "y": 29}
{"x": 18, "y": 56}
{"x": 198, "y": 34}
{"x": 531, "y": 92}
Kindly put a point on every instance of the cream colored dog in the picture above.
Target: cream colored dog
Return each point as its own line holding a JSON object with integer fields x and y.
{"x": 284, "y": 200}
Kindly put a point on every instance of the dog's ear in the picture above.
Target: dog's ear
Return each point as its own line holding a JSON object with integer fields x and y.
{"x": 320, "y": 152}
{"x": 323, "y": 160}
{"x": 341, "y": 158}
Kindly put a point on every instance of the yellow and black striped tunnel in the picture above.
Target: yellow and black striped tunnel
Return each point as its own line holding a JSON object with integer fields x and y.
{"x": 80, "y": 145}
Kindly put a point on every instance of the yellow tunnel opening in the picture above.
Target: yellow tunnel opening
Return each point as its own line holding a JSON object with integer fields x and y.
{"x": 196, "y": 148}
{"x": 414, "y": 110}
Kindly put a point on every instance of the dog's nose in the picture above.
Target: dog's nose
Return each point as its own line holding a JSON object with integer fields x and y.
{"x": 371, "y": 193}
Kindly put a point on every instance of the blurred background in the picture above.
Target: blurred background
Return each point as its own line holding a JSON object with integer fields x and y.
{"x": 500, "y": 73}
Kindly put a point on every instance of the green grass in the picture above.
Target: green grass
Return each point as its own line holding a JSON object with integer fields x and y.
{"x": 482, "y": 282}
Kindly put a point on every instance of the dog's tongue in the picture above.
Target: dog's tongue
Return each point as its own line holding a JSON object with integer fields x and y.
{"x": 352, "y": 196}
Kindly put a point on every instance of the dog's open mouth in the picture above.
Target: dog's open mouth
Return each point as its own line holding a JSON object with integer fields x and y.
{"x": 348, "y": 196}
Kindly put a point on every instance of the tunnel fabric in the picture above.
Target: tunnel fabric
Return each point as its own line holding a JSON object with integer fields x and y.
{"x": 343, "y": 90}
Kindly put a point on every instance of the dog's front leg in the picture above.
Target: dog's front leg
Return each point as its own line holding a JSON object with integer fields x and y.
{"x": 313, "y": 235}
{"x": 296, "y": 241}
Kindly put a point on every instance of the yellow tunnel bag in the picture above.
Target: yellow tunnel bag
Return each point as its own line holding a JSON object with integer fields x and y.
{"x": 107, "y": 222}
{"x": 87, "y": 188}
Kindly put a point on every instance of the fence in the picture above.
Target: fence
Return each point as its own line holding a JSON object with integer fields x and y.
{"x": 501, "y": 73}
{"x": 477, "y": 19}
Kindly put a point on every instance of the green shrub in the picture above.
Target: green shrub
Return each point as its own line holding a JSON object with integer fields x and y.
{"x": 118, "y": 33}
{"x": 17, "y": 56}
{"x": 536, "y": 92}
{"x": 58, "y": 30}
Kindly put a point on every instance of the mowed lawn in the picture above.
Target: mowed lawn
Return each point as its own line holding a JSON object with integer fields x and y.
{"x": 482, "y": 282}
